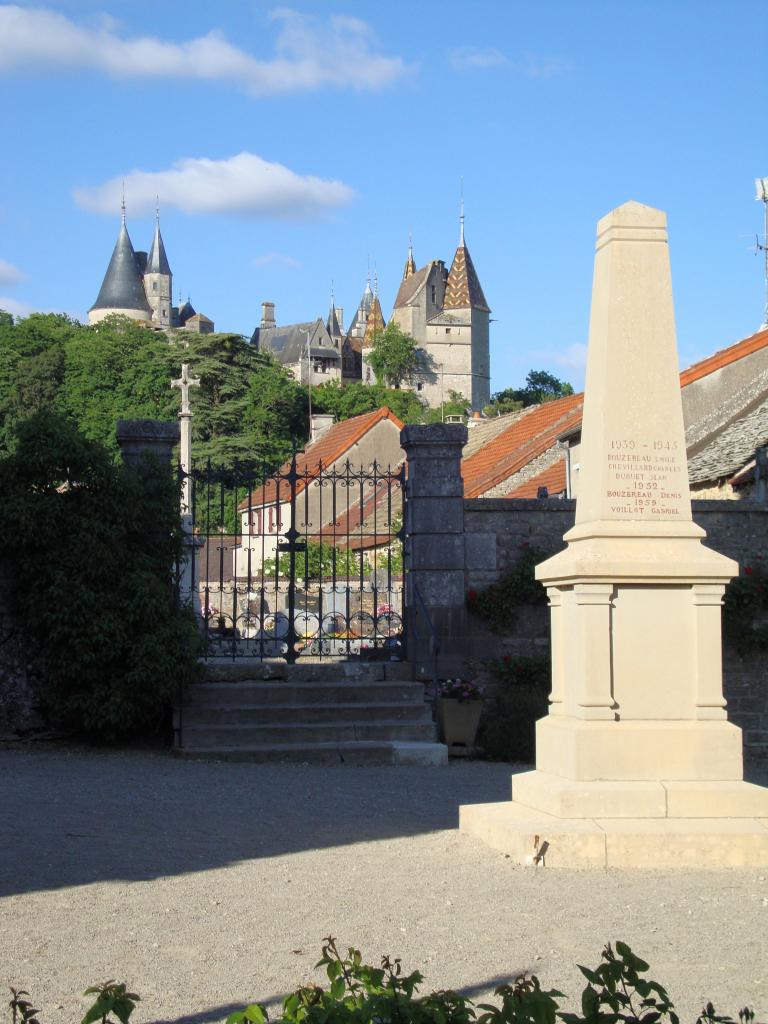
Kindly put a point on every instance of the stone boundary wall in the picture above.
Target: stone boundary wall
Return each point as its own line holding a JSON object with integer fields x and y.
{"x": 497, "y": 530}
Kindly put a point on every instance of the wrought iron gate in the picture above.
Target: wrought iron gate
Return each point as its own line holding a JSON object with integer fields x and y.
{"x": 303, "y": 563}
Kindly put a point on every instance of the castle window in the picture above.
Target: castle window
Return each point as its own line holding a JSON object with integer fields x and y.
{"x": 154, "y": 286}
{"x": 447, "y": 330}
{"x": 420, "y": 385}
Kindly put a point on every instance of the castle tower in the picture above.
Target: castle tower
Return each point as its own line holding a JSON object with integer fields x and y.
{"x": 458, "y": 340}
{"x": 374, "y": 326}
{"x": 122, "y": 290}
{"x": 360, "y": 319}
{"x": 158, "y": 280}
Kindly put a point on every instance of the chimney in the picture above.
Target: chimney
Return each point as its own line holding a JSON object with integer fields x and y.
{"x": 267, "y": 314}
{"x": 475, "y": 418}
{"x": 320, "y": 424}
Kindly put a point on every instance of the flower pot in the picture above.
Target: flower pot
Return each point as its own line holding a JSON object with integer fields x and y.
{"x": 458, "y": 721}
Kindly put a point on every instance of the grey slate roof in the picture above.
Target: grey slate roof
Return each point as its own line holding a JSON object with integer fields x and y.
{"x": 186, "y": 311}
{"x": 732, "y": 448}
{"x": 289, "y": 343}
{"x": 360, "y": 319}
{"x": 123, "y": 285}
{"x": 157, "y": 261}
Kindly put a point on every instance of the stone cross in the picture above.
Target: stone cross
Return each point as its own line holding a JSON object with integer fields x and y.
{"x": 184, "y": 383}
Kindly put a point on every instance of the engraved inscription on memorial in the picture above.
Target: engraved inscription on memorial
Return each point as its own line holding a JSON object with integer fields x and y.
{"x": 645, "y": 479}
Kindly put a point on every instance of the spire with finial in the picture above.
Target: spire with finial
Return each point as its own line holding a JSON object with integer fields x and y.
{"x": 410, "y": 266}
{"x": 462, "y": 289}
{"x": 157, "y": 261}
{"x": 122, "y": 205}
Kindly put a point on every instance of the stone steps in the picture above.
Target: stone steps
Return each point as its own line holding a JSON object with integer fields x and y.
{"x": 328, "y": 754}
{"x": 269, "y": 714}
{"x": 326, "y": 713}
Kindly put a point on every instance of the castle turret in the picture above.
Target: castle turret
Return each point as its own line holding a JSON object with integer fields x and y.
{"x": 462, "y": 331}
{"x": 374, "y": 326}
{"x": 122, "y": 290}
{"x": 360, "y": 319}
{"x": 158, "y": 280}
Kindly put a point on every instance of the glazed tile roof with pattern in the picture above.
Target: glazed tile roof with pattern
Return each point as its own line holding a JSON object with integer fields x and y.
{"x": 374, "y": 324}
{"x": 524, "y": 440}
{"x": 463, "y": 286}
{"x": 328, "y": 449}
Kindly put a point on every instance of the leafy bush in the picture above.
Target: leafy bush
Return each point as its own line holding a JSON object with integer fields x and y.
{"x": 507, "y": 729}
{"x": 91, "y": 551}
{"x": 498, "y": 604}
{"x": 745, "y": 609}
{"x": 360, "y": 994}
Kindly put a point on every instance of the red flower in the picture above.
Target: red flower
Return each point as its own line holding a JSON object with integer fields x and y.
{"x": 471, "y": 595}
{"x": 748, "y": 570}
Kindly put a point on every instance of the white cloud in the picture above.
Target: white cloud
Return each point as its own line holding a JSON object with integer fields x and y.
{"x": 530, "y": 65}
{"x": 573, "y": 358}
{"x": 470, "y": 58}
{"x": 14, "y": 307}
{"x": 9, "y": 275}
{"x": 242, "y": 185}
{"x": 535, "y": 66}
{"x": 276, "y": 259}
{"x": 337, "y": 52}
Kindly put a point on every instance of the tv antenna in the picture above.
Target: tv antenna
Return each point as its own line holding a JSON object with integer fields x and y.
{"x": 761, "y": 194}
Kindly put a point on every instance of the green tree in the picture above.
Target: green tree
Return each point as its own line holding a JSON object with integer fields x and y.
{"x": 345, "y": 401}
{"x": 394, "y": 356}
{"x": 540, "y": 386}
{"x": 91, "y": 563}
{"x": 318, "y": 561}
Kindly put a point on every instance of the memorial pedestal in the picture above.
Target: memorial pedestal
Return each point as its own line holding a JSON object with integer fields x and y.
{"x": 636, "y": 763}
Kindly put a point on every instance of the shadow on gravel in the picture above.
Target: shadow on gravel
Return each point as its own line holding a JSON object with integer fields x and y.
{"x": 73, "y": 817}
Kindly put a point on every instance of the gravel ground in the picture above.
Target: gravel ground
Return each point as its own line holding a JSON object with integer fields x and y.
{"x": 204, "y": 885}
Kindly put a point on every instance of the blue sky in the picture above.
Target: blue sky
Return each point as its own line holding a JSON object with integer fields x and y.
{"x": 291, "y": 145}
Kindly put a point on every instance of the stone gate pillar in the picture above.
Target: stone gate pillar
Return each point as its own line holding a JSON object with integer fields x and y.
{"x": 434, "y": 544}
{"x": 142, "y": 441}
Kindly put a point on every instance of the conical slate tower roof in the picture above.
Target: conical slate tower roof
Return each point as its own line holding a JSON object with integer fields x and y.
{"x": 157, "y": 261}
{"x": 463, "y": 289}
{"x": 123, "y": 285}
{"x": 334, "y": 329}
{"x": 357, "y": 327}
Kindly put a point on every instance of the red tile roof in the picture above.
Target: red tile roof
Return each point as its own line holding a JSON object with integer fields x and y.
{"x": 725, "y": 356}
{"x": 538, "y": 428}
{"x": 553, "y": 478}
{"x": 329, "y": 448}
{"x": 526, "y": 439}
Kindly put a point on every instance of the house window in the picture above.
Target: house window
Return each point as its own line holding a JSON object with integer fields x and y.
{"x": 271, "y": 519}
{"x": 447, "y": 330}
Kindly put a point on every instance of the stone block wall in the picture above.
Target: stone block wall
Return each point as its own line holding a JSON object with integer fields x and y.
{"x": 497, "y": 530}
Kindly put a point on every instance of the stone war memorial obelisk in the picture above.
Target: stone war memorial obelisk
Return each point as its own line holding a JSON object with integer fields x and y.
{"x": 636, "y": 762}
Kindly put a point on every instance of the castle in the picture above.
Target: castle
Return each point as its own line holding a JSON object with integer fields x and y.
{"x": 140, "y": 286}
{"x": 444, "y": 311}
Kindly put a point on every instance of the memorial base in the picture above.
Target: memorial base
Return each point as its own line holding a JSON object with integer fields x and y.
{"x": 531, "y": 837}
